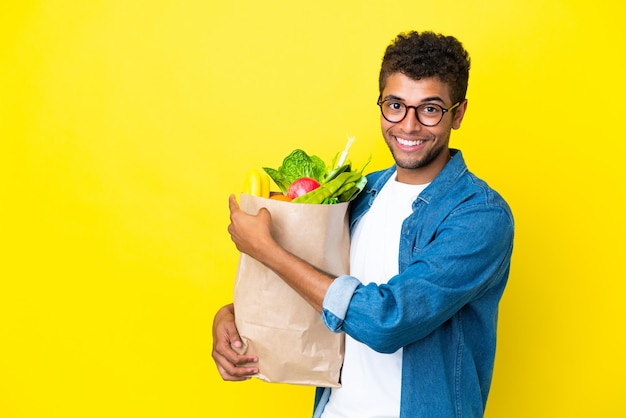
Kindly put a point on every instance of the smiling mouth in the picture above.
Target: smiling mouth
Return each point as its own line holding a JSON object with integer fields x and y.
{"x": 409, "y": 143}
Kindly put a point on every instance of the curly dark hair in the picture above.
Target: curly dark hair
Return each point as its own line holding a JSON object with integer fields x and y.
{"x": 428, "y": 54}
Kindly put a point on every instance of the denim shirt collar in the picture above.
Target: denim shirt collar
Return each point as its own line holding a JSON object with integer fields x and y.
{"x": 448, "y": 176}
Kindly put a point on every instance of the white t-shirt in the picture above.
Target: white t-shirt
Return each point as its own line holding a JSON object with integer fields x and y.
{"x": 371, "y": 381}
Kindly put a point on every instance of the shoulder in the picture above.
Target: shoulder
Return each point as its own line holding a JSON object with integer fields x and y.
{"x": 481, "y": 190}
{"x": 482, "y": 193}
{"x": 458, "y": 190}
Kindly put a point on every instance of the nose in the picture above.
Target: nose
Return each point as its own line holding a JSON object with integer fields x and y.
{"x": 410, "y": 122}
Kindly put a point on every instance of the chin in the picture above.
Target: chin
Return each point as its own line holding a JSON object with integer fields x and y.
{"x": 408, "y": 162}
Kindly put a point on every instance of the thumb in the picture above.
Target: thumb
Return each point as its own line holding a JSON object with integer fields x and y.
{"x": 232, "y": 203}
{"x": 233, "y": 335}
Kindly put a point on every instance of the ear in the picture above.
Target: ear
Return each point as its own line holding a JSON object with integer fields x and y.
{"x": 458, "y": 115}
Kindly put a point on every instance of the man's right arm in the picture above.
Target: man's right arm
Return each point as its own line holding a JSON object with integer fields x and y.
{"x": 231, "y": 365}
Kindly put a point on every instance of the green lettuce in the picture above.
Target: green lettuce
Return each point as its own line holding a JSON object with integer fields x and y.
{"x": 296, "y": 165}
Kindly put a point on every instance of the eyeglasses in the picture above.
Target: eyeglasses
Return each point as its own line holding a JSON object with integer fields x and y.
{"x": 428, "y": 114}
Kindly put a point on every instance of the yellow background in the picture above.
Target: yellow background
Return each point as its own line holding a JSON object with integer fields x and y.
{"x": 124, "y": 126}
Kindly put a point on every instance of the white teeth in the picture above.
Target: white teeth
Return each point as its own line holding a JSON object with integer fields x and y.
{"x": 408, "y": 143}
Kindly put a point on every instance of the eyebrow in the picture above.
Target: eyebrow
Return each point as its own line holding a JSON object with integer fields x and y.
{"x": 424, "y": 100}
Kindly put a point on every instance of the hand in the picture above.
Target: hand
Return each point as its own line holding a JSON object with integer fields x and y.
{"x": 250, "y": 233}
{"x": 225, "y": 336}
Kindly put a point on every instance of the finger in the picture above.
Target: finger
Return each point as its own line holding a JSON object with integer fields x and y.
{"x": 229, "y": 377}
{"x": 229, "y": 345}
{"x": 226, "y": 344}
{"x": 225, "y": 375}
{"x": 231, "y": 334}
{"x": 231, "y": 371}
{"x": 232, "y": 203}
{"x": 226, "y": 354}
{"x": 226, "y": 351}
{"x": 236, "y": 374}
{"x": 265, "y": 218}
{"x": 265, "y": 214}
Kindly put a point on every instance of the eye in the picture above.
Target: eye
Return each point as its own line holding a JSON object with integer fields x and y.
{"x": 430, "y": 109}
{"x": 394, "y": 106}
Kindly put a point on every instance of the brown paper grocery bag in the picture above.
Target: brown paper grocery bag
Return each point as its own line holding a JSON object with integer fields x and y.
{"x": 276, "y": 324}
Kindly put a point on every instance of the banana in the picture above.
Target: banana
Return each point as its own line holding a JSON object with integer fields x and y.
{"x": 257, "y": 184}
{"x": 252, "y": 184}
{"x": 265, "y": 185}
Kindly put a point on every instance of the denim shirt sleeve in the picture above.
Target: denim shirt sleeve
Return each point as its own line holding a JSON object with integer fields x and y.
{"x": 337, "y": 300}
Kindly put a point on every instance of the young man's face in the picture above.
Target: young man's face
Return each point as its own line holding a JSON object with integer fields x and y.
{"x": 420, "y": 152}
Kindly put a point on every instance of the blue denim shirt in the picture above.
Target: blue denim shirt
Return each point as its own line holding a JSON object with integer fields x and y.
{"x": 442, "y": 307}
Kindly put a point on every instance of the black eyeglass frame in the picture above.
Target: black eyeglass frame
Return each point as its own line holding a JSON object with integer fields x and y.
{"x": 407, "y": 107}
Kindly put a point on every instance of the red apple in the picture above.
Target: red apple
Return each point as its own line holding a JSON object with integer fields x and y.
{"x": 302, "y": 186}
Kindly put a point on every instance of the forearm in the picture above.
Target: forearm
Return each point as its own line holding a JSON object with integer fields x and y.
{"x": 305, "y": 279}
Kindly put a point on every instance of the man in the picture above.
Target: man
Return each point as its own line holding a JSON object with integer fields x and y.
{"x": 430, "y": 255}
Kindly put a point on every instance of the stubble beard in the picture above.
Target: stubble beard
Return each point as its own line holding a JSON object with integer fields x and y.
{"x": 411, "y": 164}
